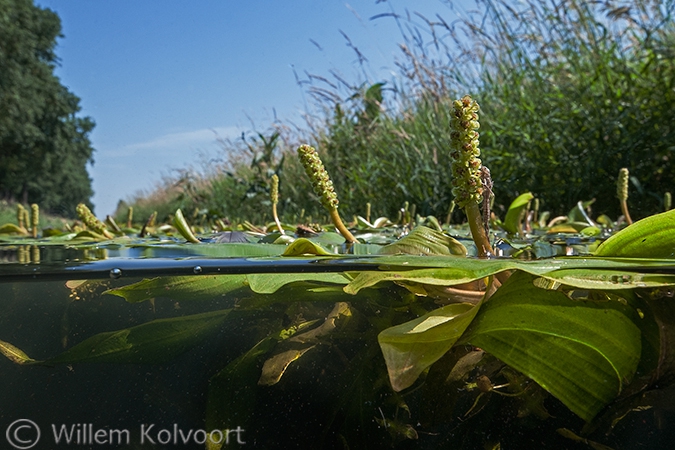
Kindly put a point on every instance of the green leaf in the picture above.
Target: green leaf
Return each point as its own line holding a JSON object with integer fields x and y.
{"x": 651, "y": 237}
{"x": 269, "y": 283}
{"x": 225, "y": 250}
{"x": 184, "y": 228}
{"x": 578, "y": 213}
{"x": 328, "y": 238}
{"x": 609, "y": 279}
{"x": 10, "y": 228}
{"x": 425, "y": 241}
{"x": 152, "y": 342}
{"x": 413, "y": 346}
{"x": 296, "y": 346}
{"x": 303, "y": 246}
{"x": 582, "y": 352}
{"x": 441, "y": 277}
{"x": 584, "y": 273}
{"x": 15, "y": 354}
{"x": 512, "y": 220}
{"x": 205, "y": 287}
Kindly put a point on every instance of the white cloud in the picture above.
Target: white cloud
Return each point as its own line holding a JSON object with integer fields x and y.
{"x": 120, "y": 172}
{"x": 169, "y": 144}
{"x": 186, "y": 139}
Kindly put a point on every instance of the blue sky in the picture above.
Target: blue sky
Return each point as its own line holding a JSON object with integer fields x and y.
{"x": 161, "y": 78}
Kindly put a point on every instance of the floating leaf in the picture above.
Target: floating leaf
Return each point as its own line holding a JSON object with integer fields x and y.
{"x": 582, "y": 352}
{"x": 651, "y": 237}
{"x": 180, "y": 288}
{"x": 413, "y": 346}
{"x": 303, "y": 246}
{"x": 10, "y": 228}
{"x": 425, "y": 241}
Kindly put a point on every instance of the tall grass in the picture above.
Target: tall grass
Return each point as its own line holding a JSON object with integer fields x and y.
{"x": 570, "y": 93}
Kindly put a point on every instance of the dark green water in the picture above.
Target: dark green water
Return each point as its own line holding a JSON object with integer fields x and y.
{"x": 334, "y": 397}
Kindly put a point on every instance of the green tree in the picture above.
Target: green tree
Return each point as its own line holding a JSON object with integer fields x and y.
{"x": 44, "y": 146}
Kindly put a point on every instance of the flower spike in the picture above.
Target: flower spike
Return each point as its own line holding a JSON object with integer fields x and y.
{"x": 323, "y": 187}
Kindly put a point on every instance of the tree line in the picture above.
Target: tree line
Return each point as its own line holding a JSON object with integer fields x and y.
{"x": 44, "y": 144}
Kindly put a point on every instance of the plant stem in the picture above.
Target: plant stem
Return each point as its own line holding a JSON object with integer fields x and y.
{"x": 474, "y": 217}
{"x": 335, "y": 217}
{"x": 276, "y": 218}
{"x": 624, "y": 211}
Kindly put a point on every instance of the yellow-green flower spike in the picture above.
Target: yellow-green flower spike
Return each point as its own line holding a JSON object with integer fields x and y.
{"x": 91, "y": 221}
{"x": 323, "y": 187}
{"x": 622, "y": 185}
{"x": 274, "y": 189}
{"x": 321, "y": 182}
{"x": 130, "y": 216}
{"x": 35, "y": 218}
{"x": 464, "y": 153}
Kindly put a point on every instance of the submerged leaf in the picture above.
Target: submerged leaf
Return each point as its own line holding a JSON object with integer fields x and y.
{"x": 582, "y": 352}
{"x": 156, "y": 341}
{"x": 269, "y": 283}
{"x": 410, "y": 348}
{"x": 180, "y": 288}
{"x": 15, "y": 354}
{"x": 275, "y": 367}
{"x": 609, "y": 279}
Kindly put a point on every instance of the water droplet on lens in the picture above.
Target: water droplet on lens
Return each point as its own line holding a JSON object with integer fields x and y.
{"x": 115, "y": 273}
{"x": 197, "y": 270}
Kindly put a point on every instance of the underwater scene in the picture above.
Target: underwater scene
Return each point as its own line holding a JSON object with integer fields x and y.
{"x": 157, "y": 343}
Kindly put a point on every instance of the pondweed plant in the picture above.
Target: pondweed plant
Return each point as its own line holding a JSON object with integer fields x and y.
{"x": 467, "y": 169}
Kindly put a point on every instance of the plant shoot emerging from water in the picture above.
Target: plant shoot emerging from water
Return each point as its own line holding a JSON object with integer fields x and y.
{"x": 323, "y": 187}
{"x": 622, "y": 193}
{"x": 274, "y": 197}
{"x": 466, "y": 169}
